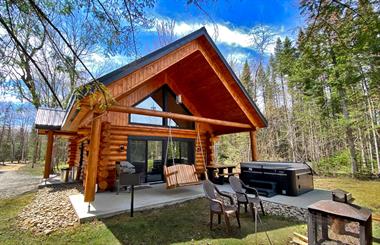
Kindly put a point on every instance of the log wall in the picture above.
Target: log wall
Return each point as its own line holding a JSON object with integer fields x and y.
{"x": 113, "y": 137}
{"x": 109, "y": 154}
{"x": 74, "y": 152}
{"x": 85, "y": 160}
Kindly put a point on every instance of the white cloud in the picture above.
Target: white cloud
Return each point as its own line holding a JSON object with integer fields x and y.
{"x": 7, "y": 97}
{"x": 100, "y": 64}
{"x": 224, "y": 34}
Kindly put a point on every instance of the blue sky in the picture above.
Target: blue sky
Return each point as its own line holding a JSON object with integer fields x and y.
{"x": 234, "y": 20}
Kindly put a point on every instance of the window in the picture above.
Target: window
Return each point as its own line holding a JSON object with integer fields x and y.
{"x": 162, "y": 99}
{"x": 154, "y": 102}
{"x": 148, "y": 155}
{"x": 181, "y": 151}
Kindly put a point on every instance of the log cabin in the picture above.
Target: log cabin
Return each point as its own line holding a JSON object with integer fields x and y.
{"x": 186, "y": 90}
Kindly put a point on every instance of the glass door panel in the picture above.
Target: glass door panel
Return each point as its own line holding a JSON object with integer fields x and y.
{"x": 154, "y": 161}
{"x": 173, "y": 153}
{"x": 137, "y": 156}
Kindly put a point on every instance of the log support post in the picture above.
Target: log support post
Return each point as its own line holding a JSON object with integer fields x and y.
{"x": 89, "y": 192}
{"x": 252, "y": 135}
{"x": 49, "y": 154}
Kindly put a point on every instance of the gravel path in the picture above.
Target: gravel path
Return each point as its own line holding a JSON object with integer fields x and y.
{"x": 51, "y": 210}
{"x": 14, "y": 183}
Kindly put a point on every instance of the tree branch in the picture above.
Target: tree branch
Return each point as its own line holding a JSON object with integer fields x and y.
{"x": 44, "y": 16}
{"x": 18, "y": 43}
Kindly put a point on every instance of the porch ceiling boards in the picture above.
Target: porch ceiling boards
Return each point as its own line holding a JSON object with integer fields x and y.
{"x": 195, "y": 80}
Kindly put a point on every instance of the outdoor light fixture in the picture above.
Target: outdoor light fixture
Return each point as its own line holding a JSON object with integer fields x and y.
{"x": 122, "y": 148}
{"x": 178, "y": 99}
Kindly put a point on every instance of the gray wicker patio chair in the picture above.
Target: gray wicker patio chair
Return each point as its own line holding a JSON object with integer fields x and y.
{"x": 217, "y": 206}
{"x": 237, "y": 186}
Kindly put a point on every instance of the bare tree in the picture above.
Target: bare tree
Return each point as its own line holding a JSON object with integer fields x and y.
{"x": 165, "y": 31}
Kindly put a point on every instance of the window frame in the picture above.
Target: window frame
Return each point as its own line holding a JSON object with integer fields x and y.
{"x": 165, "y": 93}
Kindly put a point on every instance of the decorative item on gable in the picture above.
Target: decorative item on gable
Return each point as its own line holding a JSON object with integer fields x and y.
{"x": 178, "y": 99}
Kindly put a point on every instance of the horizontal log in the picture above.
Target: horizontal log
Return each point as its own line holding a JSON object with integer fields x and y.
{"x": 103, "y": 174}
{"x": 58, "y": 132}
{"x": 103, "y": 185}
{"x": 148, "y": 130}
{"x": 105, "y": 145}
{"x": 114, "y": 154}
{"x": 118, "y": 142}
{"x": 128, "y": 109}
{"x": 113, "y": 158}
{"x": 108, "y": 150}
{"x": 118, "y": 137}
{"x": 84, "y": 131}
{"x": 112, "y": 147}
{"x": 107, "y": 168}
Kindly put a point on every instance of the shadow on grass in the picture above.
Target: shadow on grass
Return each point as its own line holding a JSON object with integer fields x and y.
{"x": 189, "y": 222}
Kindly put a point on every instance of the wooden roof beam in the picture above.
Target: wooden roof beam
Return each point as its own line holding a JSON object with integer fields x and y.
{"x": 57, "y": 132}
{"x": 127, "y": 109}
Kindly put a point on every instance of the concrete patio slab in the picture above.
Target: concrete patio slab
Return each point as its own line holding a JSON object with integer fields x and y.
{"x": 108, "y": 204}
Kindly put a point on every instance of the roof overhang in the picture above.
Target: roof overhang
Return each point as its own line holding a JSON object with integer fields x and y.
{"x": 201, "y": 34}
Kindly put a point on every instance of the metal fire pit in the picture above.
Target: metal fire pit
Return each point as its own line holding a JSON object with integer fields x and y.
{"x": 332, "y": 222}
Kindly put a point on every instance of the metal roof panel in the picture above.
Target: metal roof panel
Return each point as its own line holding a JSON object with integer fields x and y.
{"x": 49, "y": 118}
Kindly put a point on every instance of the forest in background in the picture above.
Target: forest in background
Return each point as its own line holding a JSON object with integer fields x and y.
{"x": 319, "y": 92}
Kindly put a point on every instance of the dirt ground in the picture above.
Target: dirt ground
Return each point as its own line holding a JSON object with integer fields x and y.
{"x": 14, "y": 183}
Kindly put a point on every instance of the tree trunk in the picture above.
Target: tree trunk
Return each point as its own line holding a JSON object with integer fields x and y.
{"x": 374, "y": 136}
{"x": 36, "y": 147}
{"x": 362, "y": 151}
{"x": 349, "y": 133}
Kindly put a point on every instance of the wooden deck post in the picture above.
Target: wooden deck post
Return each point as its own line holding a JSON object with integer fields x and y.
{"x": 252, "y": 135}
{"x": 89, "y": 192}
{"x": 49, "y": 154}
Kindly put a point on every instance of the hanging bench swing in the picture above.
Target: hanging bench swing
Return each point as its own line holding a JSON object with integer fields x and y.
{"x": 178, "y": 175}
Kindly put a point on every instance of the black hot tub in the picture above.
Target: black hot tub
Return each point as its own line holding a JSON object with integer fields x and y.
{"x": 270, "y": 178}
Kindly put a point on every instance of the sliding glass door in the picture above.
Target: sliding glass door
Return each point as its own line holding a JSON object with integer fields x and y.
{"x": 154, "y": 161}
{"x": 137, "y": 155}
{"x": 148, "y": 155}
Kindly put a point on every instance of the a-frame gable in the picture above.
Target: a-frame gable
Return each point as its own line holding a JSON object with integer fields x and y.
{"x": 149, "y": 71}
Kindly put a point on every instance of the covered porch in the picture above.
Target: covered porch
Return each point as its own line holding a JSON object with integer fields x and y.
{"x": 170, "y": 90}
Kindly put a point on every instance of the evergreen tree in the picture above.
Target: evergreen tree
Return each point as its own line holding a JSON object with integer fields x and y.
{"x": 246, "y": 79}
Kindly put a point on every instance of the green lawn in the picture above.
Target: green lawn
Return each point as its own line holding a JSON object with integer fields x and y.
{"x": 37, "y": 170}
{"x": 365, "y": 192}
{"x": 185, "y": 223}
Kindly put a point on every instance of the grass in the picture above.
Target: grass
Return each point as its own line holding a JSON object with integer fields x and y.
{"x": 185, "y": 223}
{"x": 37, "y": 170}
{"x": 180, "y": 224}
{"x": 365, "y": 192}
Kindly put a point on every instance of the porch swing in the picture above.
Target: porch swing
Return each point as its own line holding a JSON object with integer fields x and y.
{"x": 179, "y": 175}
